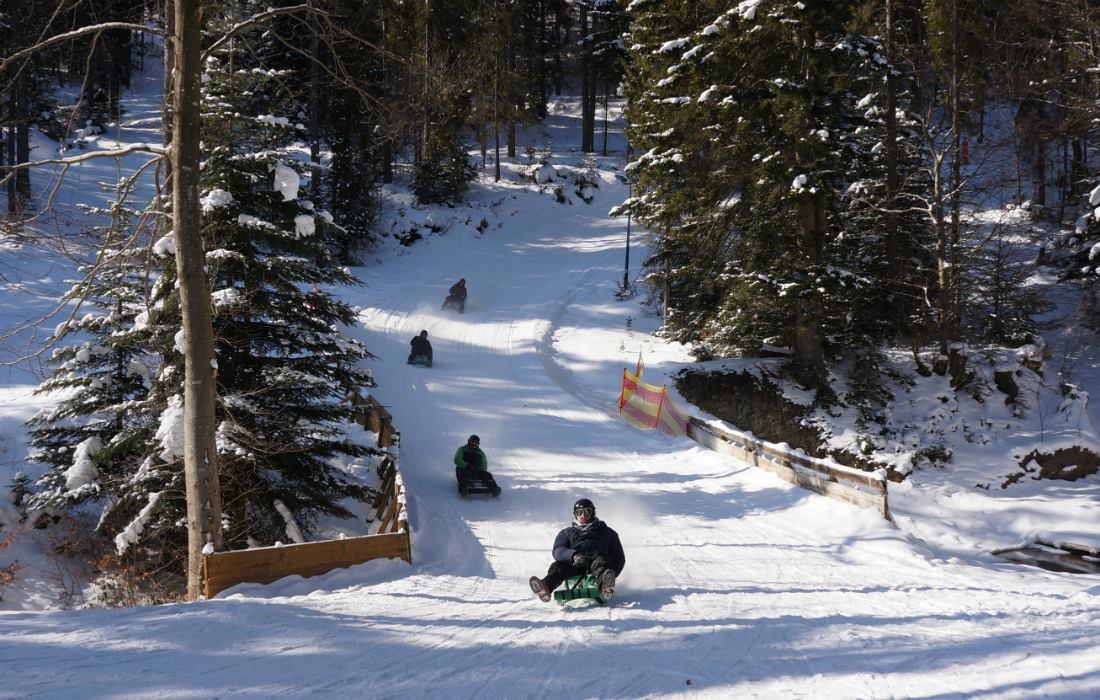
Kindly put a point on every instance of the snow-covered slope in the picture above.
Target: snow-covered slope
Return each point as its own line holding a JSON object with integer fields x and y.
{"x": 736, "y": 584}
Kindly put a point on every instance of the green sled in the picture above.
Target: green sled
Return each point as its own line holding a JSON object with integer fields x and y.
{"x": 577, "y": 587}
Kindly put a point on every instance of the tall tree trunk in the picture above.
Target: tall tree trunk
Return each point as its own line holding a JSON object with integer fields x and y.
{"x": 956, "y": 171}
{"x": 482, "y": 124}
{"x": 23, "y": 148}
{"x": 200, "y": 457}
{"x": 10, "y": 143}
{"x": 169, "y": 70}
{"x": 496, "y": 122}
{"x": 540, "y": 57}
{"x": 1040, "y": 170}
{"x": 559, "y": 46}
{"x": 893, "y": 242}
{"x": 314, "y": 111}
{"x": 943, "y": 266}
{"x": 426, "y": 94}
{"x": 586, "y": 84}
{"x": 510, "y": 87}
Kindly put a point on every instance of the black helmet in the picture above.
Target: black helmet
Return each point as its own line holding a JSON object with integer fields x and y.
{"x": 423, "y": 334}
{"x": 584, "y": 503}
{"x": 474, "y": 438}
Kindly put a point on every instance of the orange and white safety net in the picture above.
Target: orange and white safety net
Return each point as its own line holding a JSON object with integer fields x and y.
{"x": 648, "y": 406}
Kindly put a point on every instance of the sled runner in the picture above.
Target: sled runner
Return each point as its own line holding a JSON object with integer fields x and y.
{"x": 475, "y": 487}
{"x": 455, "y": 303}
{"x": 578, "y": 587}
{"x": 420, "y": 361}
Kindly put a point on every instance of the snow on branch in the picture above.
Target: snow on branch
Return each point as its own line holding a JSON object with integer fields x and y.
{"x": 256, "y": 19}
{"x": 76, "y": 34}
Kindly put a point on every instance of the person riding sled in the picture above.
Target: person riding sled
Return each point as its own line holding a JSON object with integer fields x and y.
{"x": 421, "y": 349}
{"x": 470, "y": 466}
{"x": 456, "y": 296}
{"x": 588, "y": 546}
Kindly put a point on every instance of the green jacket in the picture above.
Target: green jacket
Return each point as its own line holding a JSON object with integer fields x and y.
{"x": 466, "y": 457}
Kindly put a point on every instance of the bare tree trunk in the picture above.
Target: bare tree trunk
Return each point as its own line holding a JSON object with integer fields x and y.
{"x": 955, "y": 275}
{"x": 586, "y": 85}
{"x": 606, "y": 106}
{"x": 314, "y": 112}
{"x": 559, "y": 42}
{"x": 893, "y": 243}
{"x": 496, "y": 122}
{"x": 482, "y": 127}
{"x": 200, "y": 458}
{"x": 1040, "y": 170}
{"x": 510, "y": 83}
{"x": 10, "y": 144}
{"x": 943, "y": 265}
{"x": 169, "y": 71}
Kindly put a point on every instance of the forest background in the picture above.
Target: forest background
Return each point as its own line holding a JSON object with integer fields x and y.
{"x": 874, "y": 193}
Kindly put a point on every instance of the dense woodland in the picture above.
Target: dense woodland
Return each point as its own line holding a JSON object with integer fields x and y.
{"x": 808, "y": 173}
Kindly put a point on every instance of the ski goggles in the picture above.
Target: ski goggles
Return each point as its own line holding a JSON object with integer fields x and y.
{"x": 584, "y": 511}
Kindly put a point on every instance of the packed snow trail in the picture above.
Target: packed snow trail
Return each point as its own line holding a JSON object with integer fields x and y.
{"x": 736, "y": 584}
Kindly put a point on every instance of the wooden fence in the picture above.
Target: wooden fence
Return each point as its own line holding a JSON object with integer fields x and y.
{"x": 864, "y": 489}
{"x": 390, "y": 539}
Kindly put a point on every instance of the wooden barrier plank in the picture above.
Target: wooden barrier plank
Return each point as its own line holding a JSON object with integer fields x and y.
{"x": 812, "y": 463}
{"x": 391, "y": 514}
{"x": 267, "y": 564}
{"x": 822, "y": 483}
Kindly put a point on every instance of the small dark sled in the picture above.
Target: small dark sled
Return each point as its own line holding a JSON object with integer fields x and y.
{"x": 420, "y": 361}
{"x": 578, "y": 588}
{"x": 479, "y": 487}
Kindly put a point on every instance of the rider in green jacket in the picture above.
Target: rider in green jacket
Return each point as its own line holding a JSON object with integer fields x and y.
{"x": 470, "y": 465}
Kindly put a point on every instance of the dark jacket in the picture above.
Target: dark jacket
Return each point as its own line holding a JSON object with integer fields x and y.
{"x": 457, "y": 291}
{"x": 470, "y": 457}
{"x": 598, "y": 540}
{"x": 421, "y": 346}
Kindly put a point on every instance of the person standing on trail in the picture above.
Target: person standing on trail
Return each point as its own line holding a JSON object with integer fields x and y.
{"x": 470, "y": 465}
{"x": 588, "y": 546}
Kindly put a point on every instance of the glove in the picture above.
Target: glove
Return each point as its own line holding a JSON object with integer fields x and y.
{"x": 581, "y": 561}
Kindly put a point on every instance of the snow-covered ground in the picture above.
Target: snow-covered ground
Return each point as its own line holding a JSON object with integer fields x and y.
{"x": 737, "y": 584}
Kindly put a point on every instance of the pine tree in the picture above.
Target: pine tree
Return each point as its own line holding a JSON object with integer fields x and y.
{"x": 750, "y": 123}
{"x": 1084, "y": 264}
{"x": 104, "y": 376}
{"x": 284, "y": 367}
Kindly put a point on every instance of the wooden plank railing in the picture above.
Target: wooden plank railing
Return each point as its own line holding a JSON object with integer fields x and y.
{"x": 864, "y": 489}
{"x": 390, "y": 539}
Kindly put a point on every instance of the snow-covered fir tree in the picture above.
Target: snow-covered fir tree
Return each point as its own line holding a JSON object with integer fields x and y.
{"x": 1084, "y": 264}
{"x": 285, "y": 369}
{"x": 102, "y": 369}
{"x": 750, "y": 122}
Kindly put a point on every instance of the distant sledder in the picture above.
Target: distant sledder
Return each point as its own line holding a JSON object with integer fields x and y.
{"x": 456, "y": 296}
{"x": 421, "y": 350}
{"x": 588, "y": 557}
{"x": 470, "y": 463}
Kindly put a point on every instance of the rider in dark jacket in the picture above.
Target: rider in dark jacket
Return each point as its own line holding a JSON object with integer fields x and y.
{"x": 456, "y": 295}
{"x": 420, "y": 347}
{"x": 588, "y": 546}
